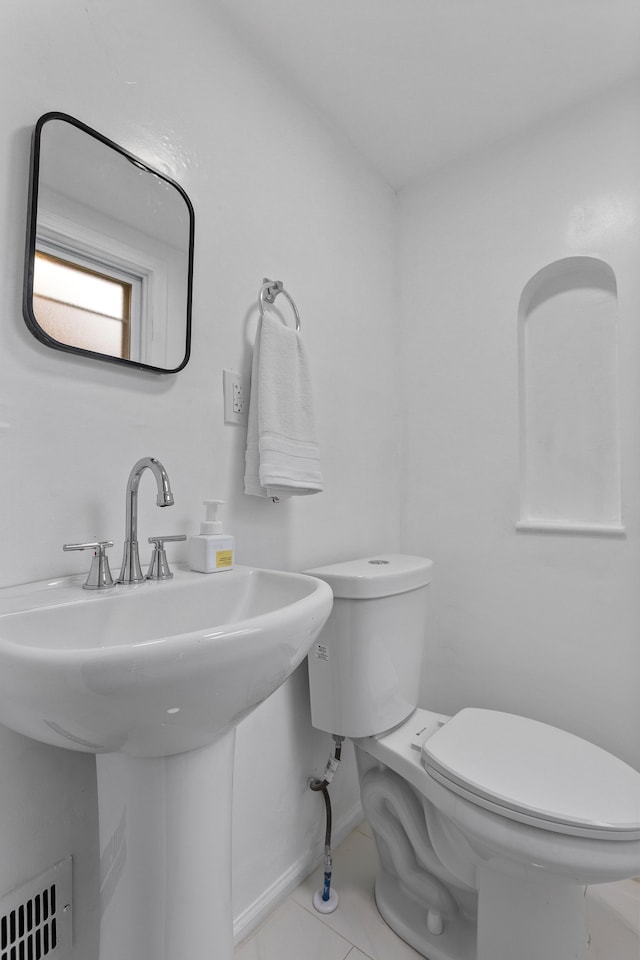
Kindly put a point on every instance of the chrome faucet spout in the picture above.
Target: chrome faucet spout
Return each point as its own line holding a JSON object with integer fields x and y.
{"x": 131, "y": 572}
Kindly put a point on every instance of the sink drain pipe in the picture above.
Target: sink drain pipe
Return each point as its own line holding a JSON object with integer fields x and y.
{"x": 325, "y": 900}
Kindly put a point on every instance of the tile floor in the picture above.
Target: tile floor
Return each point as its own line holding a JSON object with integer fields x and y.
{"x": 354, "y": 931}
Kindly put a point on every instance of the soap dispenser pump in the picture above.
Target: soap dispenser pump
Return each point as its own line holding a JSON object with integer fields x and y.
{"x": 211, "y": 550}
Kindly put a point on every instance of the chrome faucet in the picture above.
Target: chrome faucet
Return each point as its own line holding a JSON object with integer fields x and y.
{"x": 130, "y": 571}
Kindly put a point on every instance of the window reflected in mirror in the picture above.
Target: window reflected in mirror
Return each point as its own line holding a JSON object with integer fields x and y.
{"x": 78, "y": 306}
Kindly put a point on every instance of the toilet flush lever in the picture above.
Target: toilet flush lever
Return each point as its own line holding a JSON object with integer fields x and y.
{"x": 99, "y": 577}
{"x": 159, "y": 567}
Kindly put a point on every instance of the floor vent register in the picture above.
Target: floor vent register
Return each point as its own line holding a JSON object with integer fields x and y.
{"x": 35, "y": 918}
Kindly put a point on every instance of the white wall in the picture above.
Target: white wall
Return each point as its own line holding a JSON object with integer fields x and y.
{"x": 545, "y": 625}
{"x": 542, "y": 624}
{"x": 276, "y": 194}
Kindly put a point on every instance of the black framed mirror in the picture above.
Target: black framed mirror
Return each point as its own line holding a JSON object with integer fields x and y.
{"x": 109, "y": 259}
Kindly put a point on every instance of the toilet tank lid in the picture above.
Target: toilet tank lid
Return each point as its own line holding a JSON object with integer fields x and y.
{"x": 381, "y": 576}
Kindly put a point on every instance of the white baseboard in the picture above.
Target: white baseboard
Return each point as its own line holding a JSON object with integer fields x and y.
{"x": 280, "y": 889}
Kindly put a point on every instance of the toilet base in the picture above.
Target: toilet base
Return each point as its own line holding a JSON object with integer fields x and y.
{"x": 526, "y": 917}
{"x": 514, "y": 923}
{"x": 408, "y": 918}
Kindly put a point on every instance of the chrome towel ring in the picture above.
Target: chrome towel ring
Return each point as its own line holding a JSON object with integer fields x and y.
{"x": 268, "y": 293}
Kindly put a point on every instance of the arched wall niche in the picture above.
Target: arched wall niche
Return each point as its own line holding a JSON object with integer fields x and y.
{"x": 569, "y": 430}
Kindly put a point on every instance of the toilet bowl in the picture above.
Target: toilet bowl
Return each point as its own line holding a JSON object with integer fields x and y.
{"x": 488, "y": 825}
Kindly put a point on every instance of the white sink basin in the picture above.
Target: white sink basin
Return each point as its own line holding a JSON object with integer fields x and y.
{"x": 152, "y": 669}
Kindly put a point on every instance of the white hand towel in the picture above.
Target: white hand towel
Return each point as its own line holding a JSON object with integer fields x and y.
{"x": 282, "y": 457}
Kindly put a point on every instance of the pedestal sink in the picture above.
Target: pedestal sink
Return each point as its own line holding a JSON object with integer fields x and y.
{"x": 153, "y": 678}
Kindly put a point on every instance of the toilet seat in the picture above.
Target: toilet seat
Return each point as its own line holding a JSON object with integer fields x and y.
{"x": 536, "y": 774}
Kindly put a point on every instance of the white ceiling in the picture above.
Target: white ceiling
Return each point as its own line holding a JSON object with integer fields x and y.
{"x": 417, "y": 83}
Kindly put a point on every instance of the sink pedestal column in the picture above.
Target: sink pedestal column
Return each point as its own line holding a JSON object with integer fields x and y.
{"x": 165, "y": 854}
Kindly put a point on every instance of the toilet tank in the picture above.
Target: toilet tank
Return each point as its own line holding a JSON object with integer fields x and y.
{"x": 365, "y": 667}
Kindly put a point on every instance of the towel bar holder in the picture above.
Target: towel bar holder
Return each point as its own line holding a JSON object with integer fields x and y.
{"x": 268, "y": 293}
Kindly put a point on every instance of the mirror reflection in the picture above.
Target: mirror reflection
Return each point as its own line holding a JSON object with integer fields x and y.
{"x": 109, "y": 251}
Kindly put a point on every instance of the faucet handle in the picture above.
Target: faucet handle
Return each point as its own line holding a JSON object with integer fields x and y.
{"x": 99, "y": 577}
{"x": 159, "y": 567}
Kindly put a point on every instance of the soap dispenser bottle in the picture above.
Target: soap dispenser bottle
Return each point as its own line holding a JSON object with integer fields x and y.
{"x": 212, "y": 550}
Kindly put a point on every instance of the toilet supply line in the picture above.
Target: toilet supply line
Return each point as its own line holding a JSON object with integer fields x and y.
{"x": 325, "y": 900}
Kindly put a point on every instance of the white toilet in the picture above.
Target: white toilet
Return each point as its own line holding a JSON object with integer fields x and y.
{"x": 488, "y": 826}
